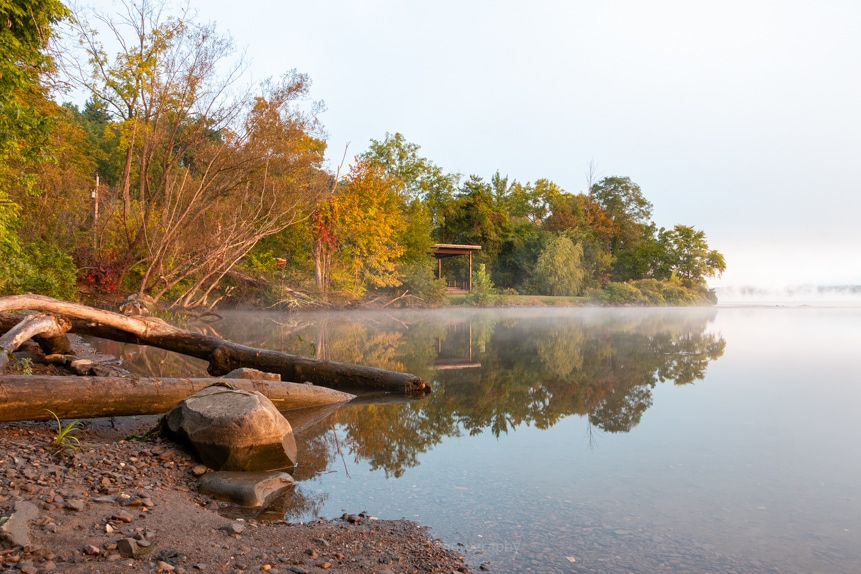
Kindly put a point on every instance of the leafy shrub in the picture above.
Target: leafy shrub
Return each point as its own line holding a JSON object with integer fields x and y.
{"x": 620, "y": 294}
{"x": 677, "y": 295}
{"x": 419, "y": 278}
{"x": 483, "y": 292}
{"x": 651, "y": 290}
{"x": 101, "y": 270}
{"x": 39, "y": 268}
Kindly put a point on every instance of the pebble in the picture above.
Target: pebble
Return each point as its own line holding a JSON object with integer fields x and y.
{"x": 122, "y": 516}
{"x": 74, "y": 504}
{"x": 91, "y": 550}
{"x": 233, "y": 528}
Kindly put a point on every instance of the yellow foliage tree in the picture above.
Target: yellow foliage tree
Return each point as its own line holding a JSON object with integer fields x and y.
{"x": 369, "y": 223}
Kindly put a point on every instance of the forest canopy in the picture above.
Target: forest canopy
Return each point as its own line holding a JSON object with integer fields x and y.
{"x": 179, "y": 182}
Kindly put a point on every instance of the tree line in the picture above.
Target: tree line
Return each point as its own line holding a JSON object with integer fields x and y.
{"x": 178, "y": 181}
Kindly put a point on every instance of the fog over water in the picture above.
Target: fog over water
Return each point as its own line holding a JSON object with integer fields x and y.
{"x": 586, "y": 439}
{"x": 815, "y": 295}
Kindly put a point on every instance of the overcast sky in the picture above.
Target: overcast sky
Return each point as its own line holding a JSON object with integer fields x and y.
{"x": 740, "y": 118}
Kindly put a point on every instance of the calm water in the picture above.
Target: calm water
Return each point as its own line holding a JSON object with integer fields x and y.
{"x": 585, "y": 440}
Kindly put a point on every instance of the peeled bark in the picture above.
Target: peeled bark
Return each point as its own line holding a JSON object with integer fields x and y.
{"x": 223, "y": 356}
{"x": 31, "y": 397}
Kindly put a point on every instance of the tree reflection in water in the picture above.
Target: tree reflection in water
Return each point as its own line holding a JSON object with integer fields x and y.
{"x": 519, "y": 367}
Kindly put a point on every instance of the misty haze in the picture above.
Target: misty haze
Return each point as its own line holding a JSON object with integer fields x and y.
{"x": 717, "y": 439}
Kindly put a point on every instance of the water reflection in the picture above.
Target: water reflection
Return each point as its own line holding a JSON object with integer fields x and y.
{"x": 491, "y": 370}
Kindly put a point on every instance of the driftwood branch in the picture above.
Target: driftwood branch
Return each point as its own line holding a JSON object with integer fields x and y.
{"x": 223, "y": 356}
{"x": 30, "y": 397}
{"x": 46, "y": 326}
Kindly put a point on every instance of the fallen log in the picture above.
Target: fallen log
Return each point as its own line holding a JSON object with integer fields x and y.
{"x": 46, "y": 326}
{"x": 222, "y": 356}
{"x": 31, "y": 397}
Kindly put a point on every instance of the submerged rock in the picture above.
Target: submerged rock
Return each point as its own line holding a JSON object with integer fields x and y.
{"x": 248, "y": 489}
{"x": 231, "y": 429}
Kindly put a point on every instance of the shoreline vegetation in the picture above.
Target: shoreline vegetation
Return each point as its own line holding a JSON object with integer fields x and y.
{"x": 172, "y": 184}
{"x": 172, "y": 190}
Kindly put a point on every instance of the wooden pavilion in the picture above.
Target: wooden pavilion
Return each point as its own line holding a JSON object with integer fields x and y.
{"x": 445, "y": 250}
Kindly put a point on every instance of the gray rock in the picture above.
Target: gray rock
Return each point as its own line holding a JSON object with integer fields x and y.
{"x": 233, "y": 528}
{"x": 16, "y": 530}
{"x": 244, "y": 488}
{"x": 232, "y": 429}
{"x": 76, "y": 505}
{"x": 252, "y": 374}
{"x": 128, "y": 547}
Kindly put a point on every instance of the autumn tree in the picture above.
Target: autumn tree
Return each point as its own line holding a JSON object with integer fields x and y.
{"x": 368, "y": 223}
{"x": 623, "y": 201}
{"x": 206, "y": 171}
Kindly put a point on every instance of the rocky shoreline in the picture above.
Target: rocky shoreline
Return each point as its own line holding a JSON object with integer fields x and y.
{"x": 112, "y": 504}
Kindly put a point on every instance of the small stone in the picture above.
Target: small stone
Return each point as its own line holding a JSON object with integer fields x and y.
{"x": 324, "y": 565}
{"x": 233, "y": 528}
{"x": 266, "y": 567}
{"x": 312, "y": 553}
{"x": 127, "y": 547}
{"x": 49, "y": 565}
{"x": 74, "y": 504}
{"x": 91, "y": 550}
{"x": 199, "y": 470}
{"x": 165, "y": 567}
{"x": 144, "y": 543}
{"x": 114, "y": 557}
{"x": 109, "y": 528}
{"x": 298, "y": 570}
{"x": 123, "y": 516}
{"x": 27, "y": 568}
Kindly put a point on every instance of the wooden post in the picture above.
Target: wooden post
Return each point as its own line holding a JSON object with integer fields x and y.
{"x": 470, "y": 271}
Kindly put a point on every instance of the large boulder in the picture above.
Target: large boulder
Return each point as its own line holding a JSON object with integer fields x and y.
{"x": 232, "y": 429}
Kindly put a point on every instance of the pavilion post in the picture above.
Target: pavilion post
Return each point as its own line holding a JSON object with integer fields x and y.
{"x": 470, "y": 271}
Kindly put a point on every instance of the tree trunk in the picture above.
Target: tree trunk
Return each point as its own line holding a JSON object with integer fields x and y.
{"x": 223, "y": 356}
{"x": 31, "y": 397}
{"x": 48, "y": 327}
